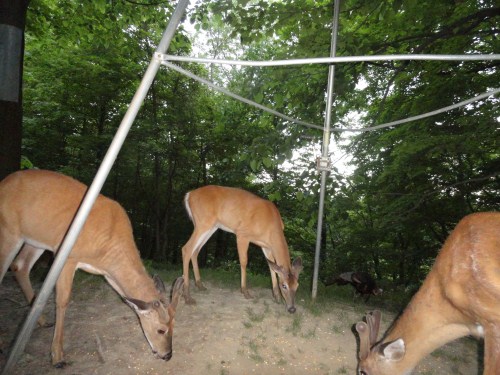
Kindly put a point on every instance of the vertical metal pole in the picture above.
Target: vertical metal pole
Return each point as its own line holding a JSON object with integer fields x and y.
{"x": 93, "y": 191}
{"x": 326, "y": 145}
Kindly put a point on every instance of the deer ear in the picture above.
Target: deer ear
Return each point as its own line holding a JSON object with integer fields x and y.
{"x": 160, "y": 286}
{"x": 297, "y": 266}
{"x": 394, "y": 350}
{"x": 139, "y": 306}
{"x": 176, "y": 293}
{"x": 275, "y": 267}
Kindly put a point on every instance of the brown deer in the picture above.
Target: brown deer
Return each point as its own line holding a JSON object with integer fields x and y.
{"x": 251, "y": 219}
{"x": 459, "y": 297}
{"x": 36, "y": 209}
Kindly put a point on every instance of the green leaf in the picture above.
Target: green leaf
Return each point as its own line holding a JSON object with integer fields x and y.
{"x": 100, "y": 5}
{"x": 254, "y": 165}
{"x": 300, "y": 195}
{"x": 268, "y": 163}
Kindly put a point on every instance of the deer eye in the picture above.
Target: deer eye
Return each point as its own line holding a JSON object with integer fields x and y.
{"x": 362, "y": 373}
{"x": 284, "y": 286}
{"x": 161, "y": 331}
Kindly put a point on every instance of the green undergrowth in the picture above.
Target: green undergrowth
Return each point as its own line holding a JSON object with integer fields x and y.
{"x": 327, "y": 298}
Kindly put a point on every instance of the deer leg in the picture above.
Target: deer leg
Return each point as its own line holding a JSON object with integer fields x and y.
{"x": 276, "y": 289}
{"x": 190, "y": 253}
{"x": 63, "y": 293}
{"x": 197, "y": 278}
{"x": 9, "y": 247}
{"x": 196, "y": 271}
{"x": 186, "y": 259}
{"x": 274, "y": 279}
{"x": 491, "y": 351}
{"x": 21, "y": 266}
{"x": 242, "y": 244}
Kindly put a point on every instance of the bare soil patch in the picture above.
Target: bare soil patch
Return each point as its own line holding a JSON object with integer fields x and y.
{"x": 222, "y": 334}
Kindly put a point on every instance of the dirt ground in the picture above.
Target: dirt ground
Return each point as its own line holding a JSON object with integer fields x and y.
{"x": 222, "y": 334}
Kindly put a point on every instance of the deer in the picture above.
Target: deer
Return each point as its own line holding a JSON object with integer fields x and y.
{"x": 36, "y": 209}
{"x": 251, "y": 219}
{"x": 460, "y": 296}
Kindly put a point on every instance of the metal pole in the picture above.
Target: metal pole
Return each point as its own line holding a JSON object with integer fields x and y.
{"x": 93, "y": 191}
{"x": 324, "y": 162}
{"x": 333, "y": 60}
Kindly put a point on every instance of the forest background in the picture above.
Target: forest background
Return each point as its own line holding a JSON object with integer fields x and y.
{"x": 404, "y": 187}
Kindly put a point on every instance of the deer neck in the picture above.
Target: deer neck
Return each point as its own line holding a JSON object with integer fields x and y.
{"x": 279, "y": 248}
{"x": 128, "y": 276}
{"x": 429, "y": 318}
{"x": 277, "y": 251}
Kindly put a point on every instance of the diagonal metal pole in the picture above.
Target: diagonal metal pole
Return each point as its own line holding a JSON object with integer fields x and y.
{"x": 324, "y": 162}
{"x": 94, "y": 189}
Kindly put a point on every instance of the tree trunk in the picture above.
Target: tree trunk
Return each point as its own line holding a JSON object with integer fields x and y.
{"x": 12, "y": 24}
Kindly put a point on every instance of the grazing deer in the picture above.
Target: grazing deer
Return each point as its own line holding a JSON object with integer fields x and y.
{"x": 251, "y": 219}
{"x": 459, "y": 297}
{"x": 36, "y": 209}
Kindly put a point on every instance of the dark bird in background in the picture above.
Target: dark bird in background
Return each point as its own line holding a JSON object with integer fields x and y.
{"x": 362, "y": 282}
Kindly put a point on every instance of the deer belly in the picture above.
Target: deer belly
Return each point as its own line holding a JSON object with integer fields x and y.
{"x": 88, "y": 268}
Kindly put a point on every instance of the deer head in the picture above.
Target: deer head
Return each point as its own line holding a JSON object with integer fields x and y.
{"x": 157, "y": 317}
{"x": 377, "y": 358}
{"x": 288, "y": 282}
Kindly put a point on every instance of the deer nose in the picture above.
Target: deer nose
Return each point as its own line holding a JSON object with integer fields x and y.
{"x": 167, "y": 356}
{"x": 292, "y": 309}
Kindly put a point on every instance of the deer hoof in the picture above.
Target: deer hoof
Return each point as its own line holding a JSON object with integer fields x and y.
{"x": 189, "y": 300}
{"x": 246, "y": 294}
{"x": 61, "y": 364}
{"x": 200, "y": 285}
{"x": 45, "y": 324}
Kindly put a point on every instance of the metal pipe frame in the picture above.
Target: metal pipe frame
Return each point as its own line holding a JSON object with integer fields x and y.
{"x": 110, "y": 157}
{"x": 333, "y": 60}
{"x": 325, "y": 147}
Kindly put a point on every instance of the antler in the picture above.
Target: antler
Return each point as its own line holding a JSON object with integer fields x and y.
{"x": 373, "y": 320}
{"x": 368, "y": 333}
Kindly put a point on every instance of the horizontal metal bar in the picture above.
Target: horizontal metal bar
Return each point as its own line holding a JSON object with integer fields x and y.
{"x": 331, "y": 60}
{"x": 335, "y": 129}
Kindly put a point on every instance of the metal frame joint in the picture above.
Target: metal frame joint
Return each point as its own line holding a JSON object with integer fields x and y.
{"x": 323, "y": 164}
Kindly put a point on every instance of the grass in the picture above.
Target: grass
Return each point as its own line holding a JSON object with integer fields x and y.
{"x": 254, "y": 351}
{"x": 281, "y": 359}
{"x": 328, "y": 298}
{"x": 296, "y": 324}
{"x": 333, "y": 298}
{"x": 310, "y": 334}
